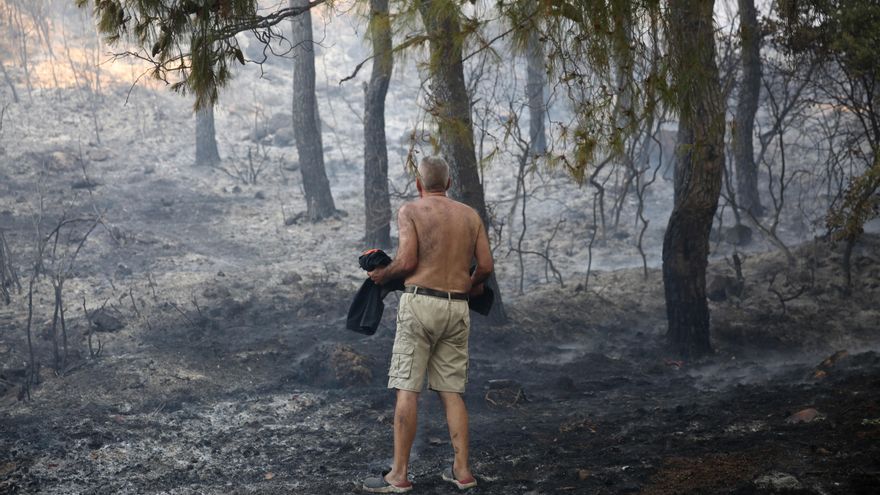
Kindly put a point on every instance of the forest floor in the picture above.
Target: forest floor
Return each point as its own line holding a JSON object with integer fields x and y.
{"x": 268, "y": 394}
{"x": 225, "y": 368}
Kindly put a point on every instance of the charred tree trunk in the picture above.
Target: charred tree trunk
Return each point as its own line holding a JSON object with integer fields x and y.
{"x": 9, "y": 82}
{"x": 747, "y": 196}
{"x": 306, "y": 122}
{"x": 376, "y": 200}
{"x": 451, "y": 107}
{"x": 698, "y": 175}
{"x": 535, "y": 82}
{"x": 206, "y": 140}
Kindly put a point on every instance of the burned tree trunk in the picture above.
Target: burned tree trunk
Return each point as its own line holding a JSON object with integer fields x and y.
{"x": 698, "y": 175}
{"x": 535, "y": 81}
{"x": 9, "y": 82}
{"x": 306, "y": 122}
{"x": 451, "y": 107}
{"x": 206, "y": 137}
{"x": 376, "y": 200}
{"x": 8, "y": 275}
{"x": 747, "y": 196}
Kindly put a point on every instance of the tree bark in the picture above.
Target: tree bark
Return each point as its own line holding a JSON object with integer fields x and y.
{"x": 206, "y": 140}
{"x": 535, "y": 82}
{"x": 377, "y": 204}
{"x": 306, "y": 121}
{"x": 698, "y": 175}
{"x": 451, "y": 108}
{"x": 747, "y": 196}
{"x": 9, "y": 82}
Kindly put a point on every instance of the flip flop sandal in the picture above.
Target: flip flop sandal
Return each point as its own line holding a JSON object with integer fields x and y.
{"x": 462, "y": 484}
{"x": 380, "y": 485}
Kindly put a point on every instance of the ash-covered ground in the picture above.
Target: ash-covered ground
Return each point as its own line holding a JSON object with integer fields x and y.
{"x": 261, "y": 390}
{"x": 224, "y": 366}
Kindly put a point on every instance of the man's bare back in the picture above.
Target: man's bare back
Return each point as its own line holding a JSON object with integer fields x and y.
{"x": 439, "y": 237}
{"x": 447, "y": 233}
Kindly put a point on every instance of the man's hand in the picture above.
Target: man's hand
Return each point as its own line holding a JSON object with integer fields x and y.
{"x": 378, "y": 275}
{"x": 476, "y": 290}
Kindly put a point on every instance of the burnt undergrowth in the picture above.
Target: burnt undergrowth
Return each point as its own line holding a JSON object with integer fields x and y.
{"x": 243, "y": 384}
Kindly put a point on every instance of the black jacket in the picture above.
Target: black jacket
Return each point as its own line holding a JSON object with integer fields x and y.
{"x": 365, "y": 312}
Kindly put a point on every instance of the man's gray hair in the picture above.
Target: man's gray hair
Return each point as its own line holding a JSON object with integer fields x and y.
{"x": 434, "y": 173}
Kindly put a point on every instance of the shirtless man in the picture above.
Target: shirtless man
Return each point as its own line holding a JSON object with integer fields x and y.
{"x": 439, "y": 238}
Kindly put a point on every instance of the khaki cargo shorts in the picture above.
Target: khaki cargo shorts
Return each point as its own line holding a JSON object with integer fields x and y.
{"x": 432, "y": 334}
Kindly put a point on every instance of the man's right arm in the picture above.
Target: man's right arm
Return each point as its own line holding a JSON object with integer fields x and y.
{"x": 407, "y": 258}
{"x": 483, "y": 255}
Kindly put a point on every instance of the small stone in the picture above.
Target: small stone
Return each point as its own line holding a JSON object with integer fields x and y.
{"x": 84, "y": 184}
{"x": 260, "y": 195}
{"x": 778, "y": 481}
{"x": 123, "y": 270}
{"x": 831, "y": 360}
{"x": 216, "y": 291}
{"x": 283, "y": 137}
{"x": 278, "y": 121}
{"x": 61, "y": 160}
{"x": 258, "y": 134}
{"x": 583, "y": 474}
{"x": 98, "y": 155}
{"x": 291, "y": 278}
{"x": 106, "y": 320}
{"x": 805, "y": 416}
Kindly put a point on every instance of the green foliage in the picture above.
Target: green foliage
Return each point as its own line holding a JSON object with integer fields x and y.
{"x": 845, "y": 36}
{"x": 860, "y": 203}
{"x": 847, "y": 31}
{"x": 607, "y": 57}
{"x": 190, "y": 43}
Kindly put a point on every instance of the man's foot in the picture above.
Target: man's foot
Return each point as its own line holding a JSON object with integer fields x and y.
{"x": 379, "y": 484}
{"x": 463, "y": 483}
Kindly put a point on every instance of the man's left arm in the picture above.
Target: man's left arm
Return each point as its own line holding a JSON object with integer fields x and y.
{"x": 407, "y": 257}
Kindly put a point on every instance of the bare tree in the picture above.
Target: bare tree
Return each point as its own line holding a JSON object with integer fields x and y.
{"x": 306, "y": 121}
{"x": 8, "y": 274}
{"x": 377, "y": 203}
{"x": 698, "y": 174}
{"x": 452, "y": 110}
{"x": 536, "y": 75}
{"x": 206, "y": 140}
{"x": 747, "y": 105}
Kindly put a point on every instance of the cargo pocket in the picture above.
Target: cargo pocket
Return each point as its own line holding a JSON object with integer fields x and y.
{"x": 401, "y": 360}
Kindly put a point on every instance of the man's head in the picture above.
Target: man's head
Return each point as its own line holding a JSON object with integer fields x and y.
{"x": 433, "y": 175}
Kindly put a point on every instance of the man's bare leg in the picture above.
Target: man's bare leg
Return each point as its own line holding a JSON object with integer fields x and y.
{"x": 457, "y": 419}
{"x": 405, "y": 417}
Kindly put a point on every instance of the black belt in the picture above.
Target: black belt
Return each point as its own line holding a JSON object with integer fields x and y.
{"x": 421, "y": 291}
